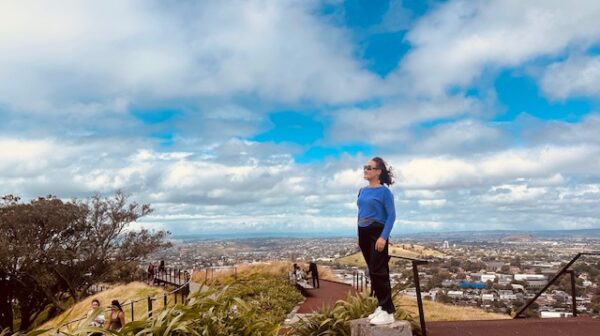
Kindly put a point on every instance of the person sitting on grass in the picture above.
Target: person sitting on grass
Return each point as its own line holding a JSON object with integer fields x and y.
{"x": 117, "y": 316}
{"x": 99, "y": 320}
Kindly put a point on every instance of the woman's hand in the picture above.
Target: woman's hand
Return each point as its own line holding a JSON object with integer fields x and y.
{"x": 380, "y": 244}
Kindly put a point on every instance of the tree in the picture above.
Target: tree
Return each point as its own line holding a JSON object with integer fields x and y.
{"x": 51, "y": 249}
{"x": 442, "y": 297}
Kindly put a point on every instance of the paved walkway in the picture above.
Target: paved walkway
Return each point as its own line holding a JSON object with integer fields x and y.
{"x": 326, "y": 295}
{"x": 316, "y": 298}
{"x": 572, "y": 326}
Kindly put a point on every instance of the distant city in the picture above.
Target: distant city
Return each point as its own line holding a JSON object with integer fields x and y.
{"x": 497, "y": 271}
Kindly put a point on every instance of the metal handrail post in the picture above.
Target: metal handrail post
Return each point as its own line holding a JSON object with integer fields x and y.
{"x": 419, "y": 300}
{"x": 415, "y": 264}
{"x": 573, "y": 292}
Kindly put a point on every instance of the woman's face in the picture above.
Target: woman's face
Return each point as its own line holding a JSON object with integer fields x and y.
{"x": 371, "y": 171}
{"x": 94, "y": 304}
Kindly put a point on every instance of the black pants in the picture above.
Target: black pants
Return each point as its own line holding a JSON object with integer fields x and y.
{"x": 377, "y": 262}
{"x": 315, "y": 279}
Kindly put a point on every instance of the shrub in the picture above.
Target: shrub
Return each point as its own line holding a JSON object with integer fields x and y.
{"x": 336, "y": 320}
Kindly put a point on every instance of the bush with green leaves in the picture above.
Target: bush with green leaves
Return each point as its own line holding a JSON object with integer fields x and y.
{"x": 336, "y": 320}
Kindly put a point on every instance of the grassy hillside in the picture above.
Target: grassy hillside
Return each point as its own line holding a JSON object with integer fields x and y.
{"x": 277, "y": 268}
{"x": 404, "y": 250}
{"x": 435, "y": 311}
{"x": 124, "y": 293}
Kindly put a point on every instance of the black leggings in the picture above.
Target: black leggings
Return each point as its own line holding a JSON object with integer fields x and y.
{"x": 377, "y": 262}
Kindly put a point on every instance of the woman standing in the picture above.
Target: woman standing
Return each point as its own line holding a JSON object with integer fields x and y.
{"x": 117, "y": 316}
{"x": 376, "y": 216}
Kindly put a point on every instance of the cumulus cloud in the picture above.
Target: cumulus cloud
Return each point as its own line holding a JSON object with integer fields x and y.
{"x": 454, "y": 172}
{"x": 556, "y": 132}
{"x": 388, "y": 124}
{"x": 63, "y": 53}
{"x": 196, "y": 192}
{"x": 465, "y": 135}
{"x": 577, "y": 76}
{"x": 460, "y": 39}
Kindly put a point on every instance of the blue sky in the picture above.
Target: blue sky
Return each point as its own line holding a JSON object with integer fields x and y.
{"x": 256, "y": 116}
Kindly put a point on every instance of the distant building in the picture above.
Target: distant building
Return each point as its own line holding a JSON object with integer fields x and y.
{"x": 494, "y": 265}
{"x": 455, "y": 294}
{"x": 518, "y": 287}
{"x": 487, "y": 297}
{"x": 448, "y": 283}
{"x": 554, "y": 314}
{"x": 488, "y": 277}
{"x": 529, "y": 277}
{"x": 445, "y": 245}
{"x": 537, "y": 283}
{"x": 476, "y": 285}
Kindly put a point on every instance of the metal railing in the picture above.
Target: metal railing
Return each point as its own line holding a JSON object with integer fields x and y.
{"x": 168, "y": 277}
{"x": 359, "y": 280}
{"x": 415, "y": 268}
{"x": 562, "y": 271}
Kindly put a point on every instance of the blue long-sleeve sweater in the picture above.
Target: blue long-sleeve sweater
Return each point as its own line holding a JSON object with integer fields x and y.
{"x": 376, "y": 204}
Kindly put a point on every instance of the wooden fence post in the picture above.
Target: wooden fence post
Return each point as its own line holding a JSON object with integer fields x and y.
{"x": 149, "y": 306}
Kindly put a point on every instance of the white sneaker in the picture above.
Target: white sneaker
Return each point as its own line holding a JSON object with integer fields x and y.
{"x": 383, "y": 318}
{"x": 375, "y": 313}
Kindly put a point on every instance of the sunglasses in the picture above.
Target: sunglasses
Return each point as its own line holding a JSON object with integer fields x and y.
{"x": 367, "y": 167}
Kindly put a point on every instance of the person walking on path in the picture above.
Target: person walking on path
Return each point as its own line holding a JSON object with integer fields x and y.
{"x": 117, "y": 316}
{"x": 376, "y": 216}
{"x": 151, "y": 274}
{"x": 314, "y": 272}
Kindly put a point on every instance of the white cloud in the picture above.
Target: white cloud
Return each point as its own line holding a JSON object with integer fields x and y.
{"x": 542, "y": 162}
{"x": 513, "y": 194}
{"x": 584, "y": 133}
{"x": 388, "y": 124}
{"x": 456, "y": 42}
{"x": 197, "y": 192}
{"x": 465, "y": 135}
{"x": 577, "y": 76}
{"x": 61, "y": 54}
{"x": 432, "y": 203}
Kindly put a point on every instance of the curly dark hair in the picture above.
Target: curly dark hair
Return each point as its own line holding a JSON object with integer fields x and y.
{"x": 116, "y": 304}
{"x": 386, "y": 176}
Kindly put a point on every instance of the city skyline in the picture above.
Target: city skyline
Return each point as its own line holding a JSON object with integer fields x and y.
{"x": 256, "y": 117}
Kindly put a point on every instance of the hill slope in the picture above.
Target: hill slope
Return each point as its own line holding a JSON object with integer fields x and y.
{"x": 404, "y": 250}
{"x": 123, "y": 293}
{"x": 435, "y": 311}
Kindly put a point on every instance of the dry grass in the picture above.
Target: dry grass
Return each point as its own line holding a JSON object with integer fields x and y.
{"x": 404, "y": 250}
{"x": 278, "y": 268}
{"x": 435, "y": 311}
{"x": 123, "y": 293}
